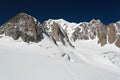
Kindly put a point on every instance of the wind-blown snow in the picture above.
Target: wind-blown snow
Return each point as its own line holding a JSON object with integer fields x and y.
{"x": 46, "y": 61}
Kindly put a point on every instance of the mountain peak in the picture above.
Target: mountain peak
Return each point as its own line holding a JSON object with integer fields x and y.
{"x": 95, "y": 21}
{"x": 24, "y": 26}
{"x": 23, "y": 13}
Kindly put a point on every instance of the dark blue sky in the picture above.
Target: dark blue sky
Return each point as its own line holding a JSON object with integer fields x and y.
{"x": 71, "y": 10}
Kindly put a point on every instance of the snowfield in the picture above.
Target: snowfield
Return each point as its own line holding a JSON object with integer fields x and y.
{"x": 47, "y": 61}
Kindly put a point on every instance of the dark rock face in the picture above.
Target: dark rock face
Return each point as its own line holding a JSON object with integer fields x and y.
{"x": 56, "y": 32}
{"x": 81, "y": 34}
{"x": 111, "y": 34}
{"x": 97, "y": 29}
{"x": 1, "y": 30}
{"x": 76, "y": 34}
{"x": 102, "y": 36}
{"x": 118, "y": 42}
{"x": 86, "y": 31}
{"x": 24, "y": 26}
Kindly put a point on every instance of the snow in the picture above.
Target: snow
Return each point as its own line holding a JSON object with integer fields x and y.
{"x": 63, "y": 24}
{"x": 70, "y": 27}
{"x": 46, "y": 61}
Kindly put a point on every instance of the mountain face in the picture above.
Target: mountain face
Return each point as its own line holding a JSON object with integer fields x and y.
{"x": 29, "y": 29}
{"x": 95, "y": 29}
{"x": 24, "y": 26}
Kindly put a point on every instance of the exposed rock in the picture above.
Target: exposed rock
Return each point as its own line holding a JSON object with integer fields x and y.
{"x": 24, "y": 26}
{"x": 118, "y": 42}
{"x": 76, "y": 34}
{"x": 56, "y": 32}
{"x": 111, "y": 34}
{"x": 102, "y": 36}
{"x": 1, "y": 30}
{"x": 87, "y": 30}
{"x": 80, "y": 32}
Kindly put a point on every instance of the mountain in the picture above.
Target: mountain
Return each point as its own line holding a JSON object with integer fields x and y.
{"x": 59, "y": 50}
{"x": 24, "y": 26}
{"x": 95, "y": 29}
{"x": 29, "y": 29}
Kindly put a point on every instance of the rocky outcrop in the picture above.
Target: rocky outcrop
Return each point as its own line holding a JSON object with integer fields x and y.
{"x": 102, "y": 35}
{"x": 118, "y": 42}
{"x": 24, "y": 26}
{"x": 76, "y": 34}
{"x": 56, "y": 32}
{"x": 111, "y": 34}
{"x": 1, "y": 30}
{"x": 81, "y": 34}
{"x": 87, "y": 31}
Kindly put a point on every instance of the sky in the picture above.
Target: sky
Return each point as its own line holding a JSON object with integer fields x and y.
{"x": 107, "y": 11}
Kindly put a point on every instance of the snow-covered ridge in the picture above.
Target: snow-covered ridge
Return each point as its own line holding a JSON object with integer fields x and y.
{"x": 94, "y": 29}
{"x": 70, "y": 27}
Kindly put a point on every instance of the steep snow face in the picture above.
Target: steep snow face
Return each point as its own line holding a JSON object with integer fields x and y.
{"x": 46, "y": 61}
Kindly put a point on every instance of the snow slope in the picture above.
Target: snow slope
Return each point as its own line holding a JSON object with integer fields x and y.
{"x": 46, "y": 61}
